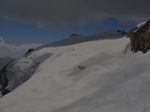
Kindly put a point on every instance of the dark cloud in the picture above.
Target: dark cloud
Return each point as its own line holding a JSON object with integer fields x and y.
{"x": 74, "y": 11}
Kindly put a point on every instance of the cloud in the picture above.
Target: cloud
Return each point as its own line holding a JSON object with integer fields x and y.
{"x": 9, "y": 50}
{"x": 64, "y": 12}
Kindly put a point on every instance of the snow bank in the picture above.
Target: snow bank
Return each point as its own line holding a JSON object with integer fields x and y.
{"x": 88, "y": 77}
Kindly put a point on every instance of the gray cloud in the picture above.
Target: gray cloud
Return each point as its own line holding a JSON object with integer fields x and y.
{"x": 10, "y": 50}
{"x": 74, "y": 11}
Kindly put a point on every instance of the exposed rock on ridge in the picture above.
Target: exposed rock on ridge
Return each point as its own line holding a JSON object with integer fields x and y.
{"x": 140, "y": 37}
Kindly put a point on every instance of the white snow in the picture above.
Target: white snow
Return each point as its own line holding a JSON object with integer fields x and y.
{"x": 98, "y": 76}
{"x": 141, "y": 24}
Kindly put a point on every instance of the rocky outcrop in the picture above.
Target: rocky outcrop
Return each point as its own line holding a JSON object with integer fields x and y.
{"x": 122, "y": 32}
{"x": 29, "y": 51}
{"x": 74, "y": 36}
{"x": 4, "y": 81}
{"x": 140, "y": 37}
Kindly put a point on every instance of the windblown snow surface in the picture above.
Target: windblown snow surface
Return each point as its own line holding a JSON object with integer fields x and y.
{"x": 97, "y": 76}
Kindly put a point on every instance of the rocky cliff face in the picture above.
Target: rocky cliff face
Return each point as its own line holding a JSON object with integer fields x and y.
{"x": 140, "y": 37}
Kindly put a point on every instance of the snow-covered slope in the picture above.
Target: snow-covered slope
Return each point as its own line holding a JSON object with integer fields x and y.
{"x": 97, "y": 76}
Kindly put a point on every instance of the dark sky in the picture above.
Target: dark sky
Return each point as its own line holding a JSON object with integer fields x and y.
{"x": 24, "y": 21}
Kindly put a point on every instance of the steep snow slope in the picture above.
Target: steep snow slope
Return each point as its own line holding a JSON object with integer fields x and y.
{"x": 94, "y": 76}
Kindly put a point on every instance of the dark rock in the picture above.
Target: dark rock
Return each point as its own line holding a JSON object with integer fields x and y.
{"x": 119, "y": 31}
{"x": 74, "y": 36}
{"x": 29, "y": 51}
{"x": 3, "y": 80}
{"x": 122, "y": 32}
{"x": 140, "y": 38}
{"x": 80, "y": 67}
{"x": 4, "y": 92}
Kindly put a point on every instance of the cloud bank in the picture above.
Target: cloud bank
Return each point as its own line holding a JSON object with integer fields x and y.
{"x": 9, "y": 50}
{"x": 74, "y": 11}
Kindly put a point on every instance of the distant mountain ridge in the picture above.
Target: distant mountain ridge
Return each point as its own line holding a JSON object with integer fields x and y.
{"x": 77, "y": 38}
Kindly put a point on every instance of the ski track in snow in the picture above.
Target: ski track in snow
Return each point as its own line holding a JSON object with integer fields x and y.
{"x": 88, "y": 77}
